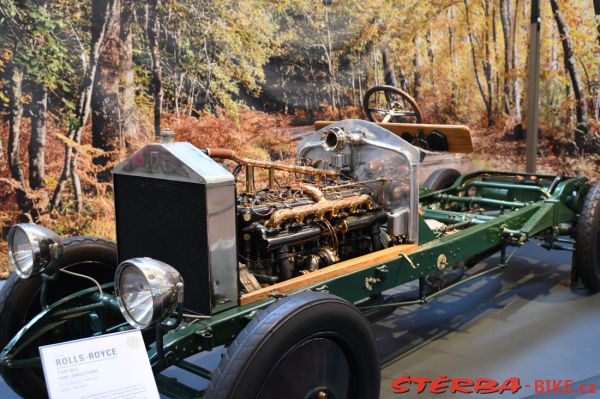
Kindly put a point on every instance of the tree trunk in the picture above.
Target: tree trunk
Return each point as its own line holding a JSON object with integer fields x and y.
{"x": 69, "y": 170}
{"x": 487, "y": 65}
{"x": 597, "y": 102}
{"x": 15, "y": 116}
{"x": 389, "y": 76}
{"x": 516, "y": 90}
{"x": 430, "y": 52}
{"x": 597, "y": 13}
{"x": 37, "y": 141}
{"x": 14, "y": 135}
{"x": 505, "y": 20}
{"x": 571, "y": 67}
{"x": 487, "y": 71}
{"x": 418, "y": 64}
{"x": 497, "y": 84}
{"x": 106, "y": 132}
{"x": 129, "y": 114}
{"x": 453, "y": 60}
{"x": 153, "y": 32}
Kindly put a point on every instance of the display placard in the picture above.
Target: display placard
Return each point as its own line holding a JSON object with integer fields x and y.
{"x": 108, "y": 366}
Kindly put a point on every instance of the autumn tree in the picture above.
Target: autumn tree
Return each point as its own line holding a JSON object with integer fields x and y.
{"x": 153, "y": 32}
{"x": 509, "y": 18}
{"x": 37, "y": 139}
{"x": 128, "y": 110}
{"x": 485, "y": 86}
{"x": 77, "y": 124}
{"x": 106, "y": 130}
{"x": 571, "y": 68}
{"x": 31, "y": 34}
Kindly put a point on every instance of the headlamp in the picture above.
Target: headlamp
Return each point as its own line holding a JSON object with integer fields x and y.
{"x": 147, "y": 290}
{"x": 31, "y": 248}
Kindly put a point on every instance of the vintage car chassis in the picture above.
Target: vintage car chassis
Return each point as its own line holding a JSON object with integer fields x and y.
{"x": 360, "y": 281}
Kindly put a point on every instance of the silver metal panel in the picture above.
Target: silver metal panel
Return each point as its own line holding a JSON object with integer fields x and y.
{"x": 222, "y": 248}
{"x": 371, "y": 153}
{"x": 397, "y": 222}
{"x": 175, "y": 161}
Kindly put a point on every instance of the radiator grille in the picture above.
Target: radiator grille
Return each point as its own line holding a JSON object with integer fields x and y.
{"x": 166, "y": 220}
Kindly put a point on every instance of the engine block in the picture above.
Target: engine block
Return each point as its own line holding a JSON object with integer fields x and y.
{"x": 353, "y": 191}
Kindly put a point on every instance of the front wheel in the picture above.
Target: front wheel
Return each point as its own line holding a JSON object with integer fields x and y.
{"x": 20, "y": 302}
{"x": 309, "y": 345}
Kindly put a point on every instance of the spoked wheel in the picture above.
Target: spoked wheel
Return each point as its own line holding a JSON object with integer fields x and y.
{"x": 309, "y": 345}
{"x": 20, "y": 302}
{"x": 586, "y": 259}
{"x": 390, "y": 104}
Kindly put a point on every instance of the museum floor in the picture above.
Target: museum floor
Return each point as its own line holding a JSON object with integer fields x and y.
{"x": 526, "y": 323}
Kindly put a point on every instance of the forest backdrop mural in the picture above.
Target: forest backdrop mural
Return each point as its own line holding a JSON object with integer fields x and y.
{"x": 85, "y": 83}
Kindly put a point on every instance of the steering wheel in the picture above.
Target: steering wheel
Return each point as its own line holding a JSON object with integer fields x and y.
{"x": 390, "y": 104}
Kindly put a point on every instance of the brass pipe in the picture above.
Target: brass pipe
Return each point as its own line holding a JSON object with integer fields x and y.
{"x": 320, "y": 209}
{"x": 223, "y": 153}
{"x": 250, "y": 179}
{"x": 271, "y": 180}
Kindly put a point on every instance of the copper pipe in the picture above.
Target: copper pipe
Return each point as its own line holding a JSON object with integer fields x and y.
{"x": 223, "y": 153}
{"x": 320, "y": 209}
{"x": 314, "y": 192}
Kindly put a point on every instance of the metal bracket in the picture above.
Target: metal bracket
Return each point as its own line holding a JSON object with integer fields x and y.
{"x": 370, "y": 281}
{"x": 442, "y": 262}
{"x": 410, "y": 262}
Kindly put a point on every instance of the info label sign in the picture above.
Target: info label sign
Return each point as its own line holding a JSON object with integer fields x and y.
{"x": 104, "y": 367}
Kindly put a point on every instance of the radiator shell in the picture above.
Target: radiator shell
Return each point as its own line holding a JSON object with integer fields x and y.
{"x": 175, "y": 204}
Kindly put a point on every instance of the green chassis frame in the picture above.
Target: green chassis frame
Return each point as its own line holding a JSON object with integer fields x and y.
{"x": 524, "y": 206}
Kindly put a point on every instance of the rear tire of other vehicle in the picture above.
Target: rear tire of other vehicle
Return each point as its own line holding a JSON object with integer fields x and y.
{"x": 441, "y": 179}
{"x": 20, "y": 301}
{"x": 308, "y": 345}
{"x": 586, "y": 259}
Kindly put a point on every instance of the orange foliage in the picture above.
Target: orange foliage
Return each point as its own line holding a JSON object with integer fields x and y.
{"x": 255, "y": 135}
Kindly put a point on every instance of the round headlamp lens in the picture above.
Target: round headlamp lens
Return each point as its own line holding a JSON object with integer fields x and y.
{"x": 21, "y": 253}
{"x": 148, "y": 290}
{"x": 136, "y": 296}
{"x": 32, "y": 248}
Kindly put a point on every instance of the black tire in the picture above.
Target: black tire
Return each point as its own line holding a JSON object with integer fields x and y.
{"x": 285, "y": 335}
{"x": 441, "y": 179}
{"x": 391, "y": 89}
{"x": 587, "y": 241}
{"x": 20, "y": 301}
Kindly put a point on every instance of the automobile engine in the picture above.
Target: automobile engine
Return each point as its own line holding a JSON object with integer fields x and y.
{"x": 353, "y": 191}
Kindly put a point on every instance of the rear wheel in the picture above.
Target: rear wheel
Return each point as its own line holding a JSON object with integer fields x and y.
{"x": 587, "y": 241}
{"x": 441, "y": 179}
{"x": 20, "y": 301}
{"x": 309, "y": 345}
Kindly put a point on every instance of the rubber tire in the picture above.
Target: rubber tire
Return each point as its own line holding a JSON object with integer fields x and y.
{"x": 441, "y": 179}
{"x": 402, "y": 93}
{"x": 257, "y": 348}
{"x": 19, "y": 302}
{"x": 587, "y": 241}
